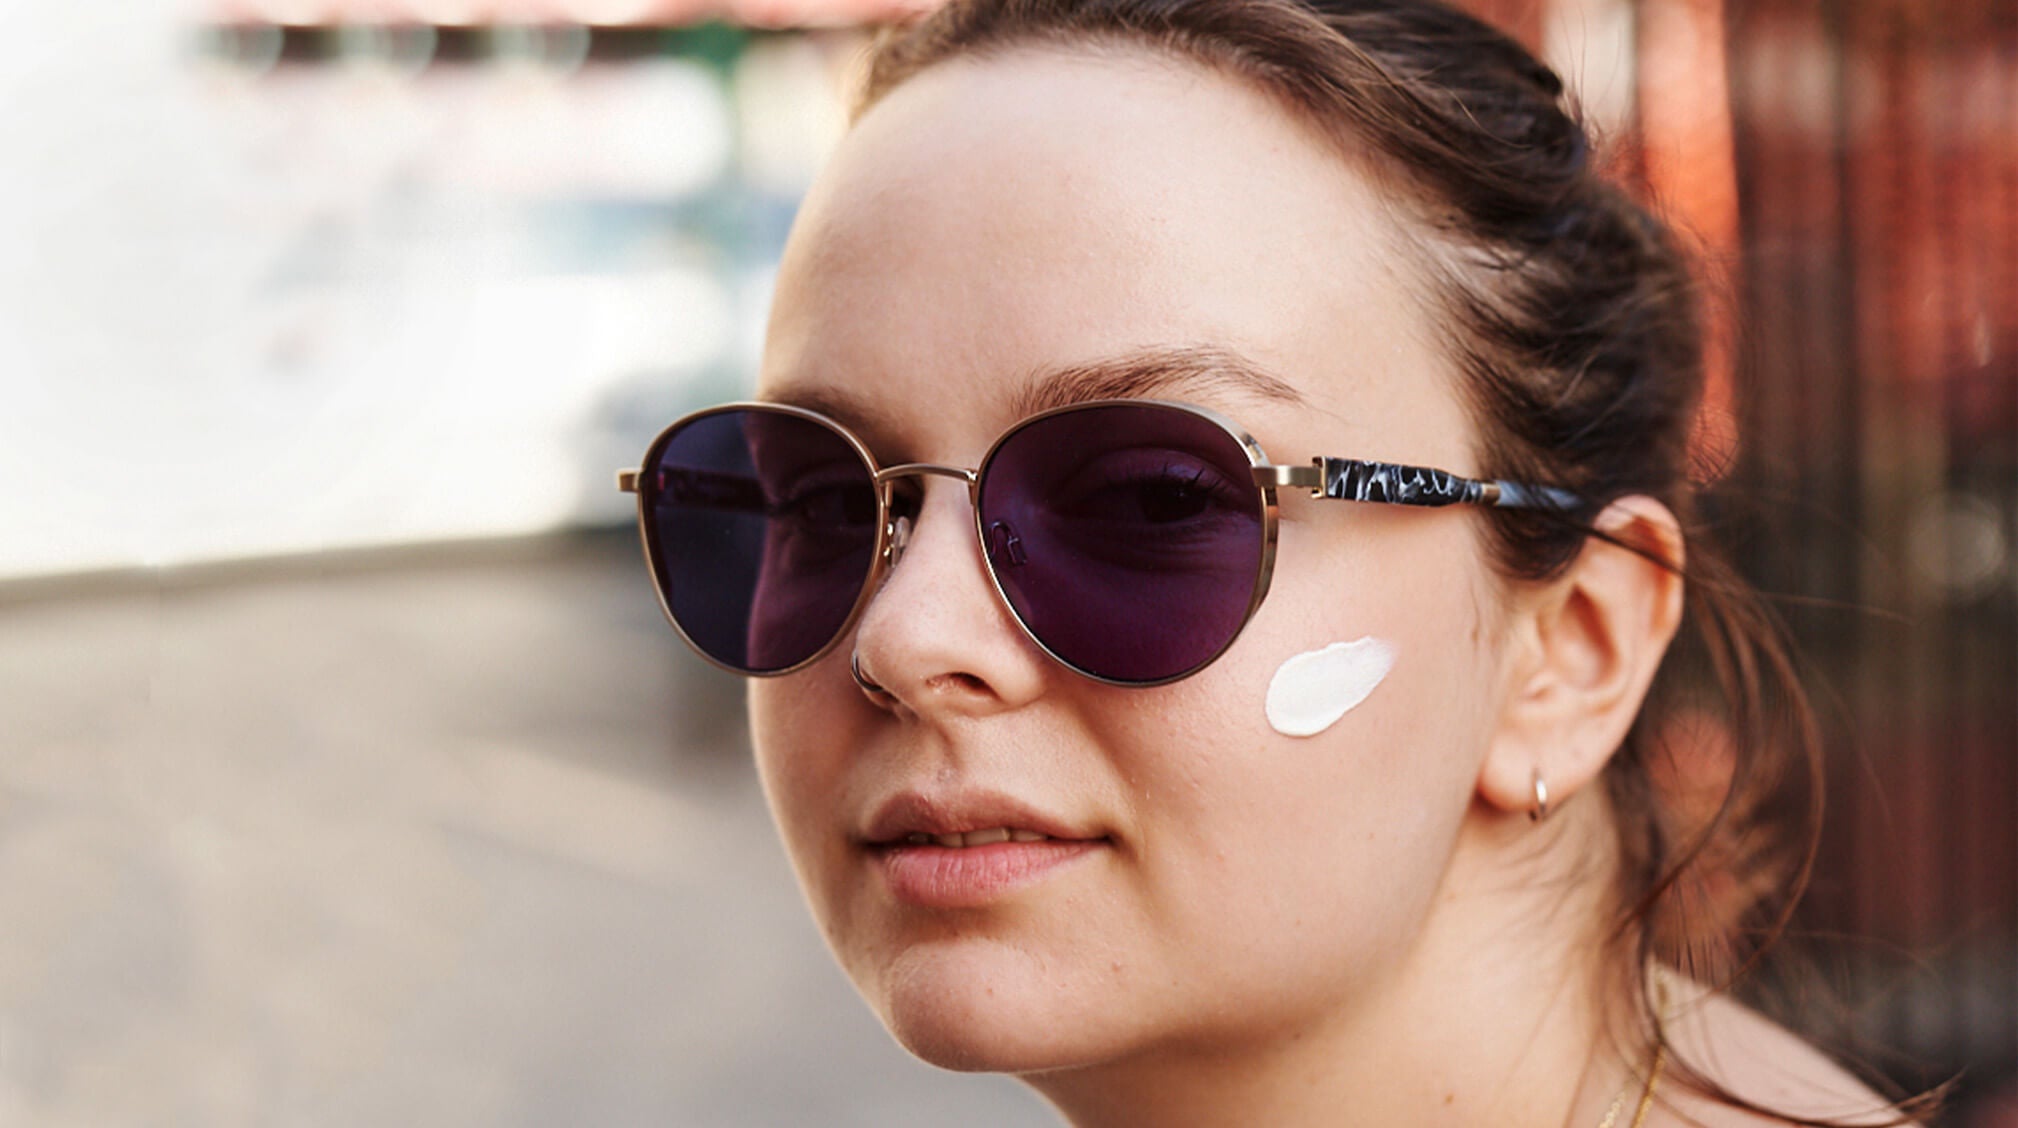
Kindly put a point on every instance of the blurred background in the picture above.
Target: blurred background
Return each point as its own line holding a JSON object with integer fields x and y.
{"x": 348, "y": 773}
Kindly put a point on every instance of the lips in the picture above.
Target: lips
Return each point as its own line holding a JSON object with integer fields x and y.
{"x": 964, "y": 819}
{"x": 971, "y": 849}
{"x": 973, "y": 837}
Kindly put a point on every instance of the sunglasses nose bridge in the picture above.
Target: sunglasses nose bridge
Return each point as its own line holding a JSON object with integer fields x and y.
{"x": 923, "y": 469}
{"x": 896, "y": 529}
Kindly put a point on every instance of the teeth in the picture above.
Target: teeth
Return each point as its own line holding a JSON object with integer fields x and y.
{"x": 987, "y": 837}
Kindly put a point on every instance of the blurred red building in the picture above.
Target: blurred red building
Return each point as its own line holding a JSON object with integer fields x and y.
{"x": 1851, "y": 171}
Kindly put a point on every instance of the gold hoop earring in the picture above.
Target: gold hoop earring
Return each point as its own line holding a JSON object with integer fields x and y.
{"x": 861, "y": 680}
{"x": 1540, "y": 810}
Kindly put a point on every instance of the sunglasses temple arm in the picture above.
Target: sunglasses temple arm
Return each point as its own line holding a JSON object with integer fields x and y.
{"x": 1517, "y": 495}
{"x": 1389, "y": 483}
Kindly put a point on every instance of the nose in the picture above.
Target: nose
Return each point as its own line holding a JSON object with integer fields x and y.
{"x": 936, "y": 636}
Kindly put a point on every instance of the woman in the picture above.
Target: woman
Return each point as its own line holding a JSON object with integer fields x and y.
{"x": 1228, "y": 299}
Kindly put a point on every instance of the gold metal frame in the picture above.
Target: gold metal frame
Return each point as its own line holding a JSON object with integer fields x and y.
{"x": 1322, "y": 476}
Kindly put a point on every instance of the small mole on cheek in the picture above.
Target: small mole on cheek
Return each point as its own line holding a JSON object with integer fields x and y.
{"x": 1450, "y": 1098}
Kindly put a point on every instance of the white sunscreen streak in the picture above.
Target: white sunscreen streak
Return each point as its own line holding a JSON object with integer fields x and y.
{"x": 1311, "y": 691}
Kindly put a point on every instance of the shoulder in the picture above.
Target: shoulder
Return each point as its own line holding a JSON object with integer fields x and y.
{"x": 1760, "y": 1061}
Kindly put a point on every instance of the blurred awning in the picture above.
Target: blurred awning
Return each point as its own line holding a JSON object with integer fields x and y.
{"x": 594, "y": 13}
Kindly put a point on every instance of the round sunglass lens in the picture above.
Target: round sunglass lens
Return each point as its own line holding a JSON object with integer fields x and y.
{"x": 762, "y": 530}
{"x": 1127, "y": 537}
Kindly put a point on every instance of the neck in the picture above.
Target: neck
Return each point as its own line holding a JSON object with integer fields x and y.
{"x": 1493, "y": 1016}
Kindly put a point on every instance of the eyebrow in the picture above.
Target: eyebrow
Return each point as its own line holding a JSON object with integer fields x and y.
{"x": 1207, "y": 371}
{"x": 877, "y": 428}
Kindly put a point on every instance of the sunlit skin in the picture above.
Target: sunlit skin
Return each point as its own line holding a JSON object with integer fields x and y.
{"x": 1360, "y": 927}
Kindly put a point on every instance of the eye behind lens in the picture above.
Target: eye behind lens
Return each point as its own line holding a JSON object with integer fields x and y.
{"x": 761, "y": 532}
{"x": 1141, "y": 535}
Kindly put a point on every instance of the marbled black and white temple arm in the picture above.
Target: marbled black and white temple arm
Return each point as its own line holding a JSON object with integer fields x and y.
{"x": 1388, "y": 483}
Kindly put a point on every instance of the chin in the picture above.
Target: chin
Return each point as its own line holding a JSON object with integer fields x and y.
{"x": 992, "y": 1010}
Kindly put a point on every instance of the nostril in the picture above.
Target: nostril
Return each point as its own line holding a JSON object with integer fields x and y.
{"x": 958, "y": 681}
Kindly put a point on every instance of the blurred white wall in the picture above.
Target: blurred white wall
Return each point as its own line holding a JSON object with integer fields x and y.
{"x": 252, "y": 309}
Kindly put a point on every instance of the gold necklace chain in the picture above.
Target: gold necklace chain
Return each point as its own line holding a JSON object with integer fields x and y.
{"x": 1646, "y": 1094}
{"x": 1661, "y": 994}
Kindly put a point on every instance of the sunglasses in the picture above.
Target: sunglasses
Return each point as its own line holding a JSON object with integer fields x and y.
{"x": 1131, "y": 539}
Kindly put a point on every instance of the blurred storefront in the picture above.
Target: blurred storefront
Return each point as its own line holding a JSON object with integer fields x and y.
{"x": 351, "y": 280}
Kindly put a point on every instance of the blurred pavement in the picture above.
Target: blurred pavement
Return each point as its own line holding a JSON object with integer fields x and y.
{"x": 450, "y": 838}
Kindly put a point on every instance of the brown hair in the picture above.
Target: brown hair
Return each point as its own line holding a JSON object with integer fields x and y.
{"x": 1579, "y": 337}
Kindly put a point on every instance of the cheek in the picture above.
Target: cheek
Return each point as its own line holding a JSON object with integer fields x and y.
{"x": 1332, "y": 844}
{"x": 1382, "y": 608}
{"x": 802, "y": 731}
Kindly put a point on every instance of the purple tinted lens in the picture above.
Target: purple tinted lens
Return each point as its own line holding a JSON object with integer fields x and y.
{"x": 1127, "y": 537}
{"x": 762, "y": 531}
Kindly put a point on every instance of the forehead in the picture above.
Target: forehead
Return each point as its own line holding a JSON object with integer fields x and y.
{"x": 998, "y": 227}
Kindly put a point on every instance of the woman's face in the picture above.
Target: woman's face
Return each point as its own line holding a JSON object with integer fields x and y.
{"x": 991, "y": 225}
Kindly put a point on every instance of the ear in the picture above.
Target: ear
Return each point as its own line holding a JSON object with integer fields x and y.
{"x": 1583, "y": 650}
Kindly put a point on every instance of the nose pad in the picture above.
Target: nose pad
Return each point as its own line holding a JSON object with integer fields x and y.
{"x": 900, "y": 539}
{"x": 1004, "y": 546}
